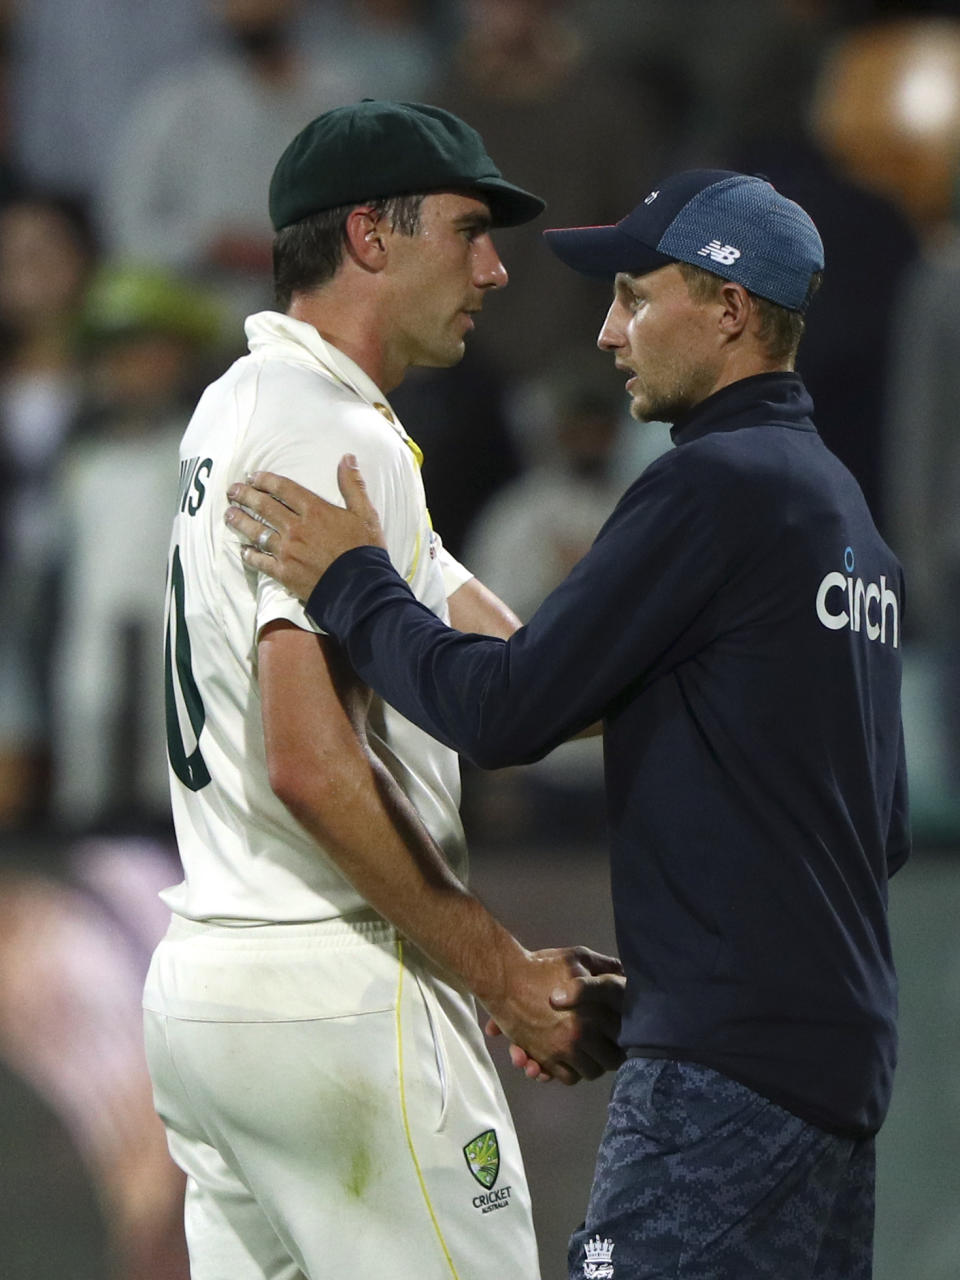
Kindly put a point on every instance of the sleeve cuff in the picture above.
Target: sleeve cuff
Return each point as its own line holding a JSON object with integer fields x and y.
{"x": 349, "y": 587}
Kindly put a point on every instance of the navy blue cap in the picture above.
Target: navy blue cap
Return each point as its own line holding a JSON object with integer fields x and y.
{"x": 737, "y": 226}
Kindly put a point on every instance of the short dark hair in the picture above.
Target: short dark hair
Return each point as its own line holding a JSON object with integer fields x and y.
{"x": 779, "y": 329}
{"x": 308, "y": 253}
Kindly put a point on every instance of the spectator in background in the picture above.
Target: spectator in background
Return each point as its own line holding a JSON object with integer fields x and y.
{"x": 532, "y": 533}
{"x": 146, "y": 338}
{"x": 870, "y": 243}
{"x": 189, "y": 182}
{"x": 47, "y": 250}
{"x": 924, "y": 478}
{"x": 75, "y": 70}
{"x": 887, "y": 112}
{"x": 909, "y": 134}
{"x": 525, "y": 76}
{"x": 393, "y": 47}
{"x": 747, "y": 70}
{"x": 459, "y": 418}
{"x": 524, "y": 543}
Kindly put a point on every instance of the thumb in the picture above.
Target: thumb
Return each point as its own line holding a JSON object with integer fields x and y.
{"x": 353, "y": 487}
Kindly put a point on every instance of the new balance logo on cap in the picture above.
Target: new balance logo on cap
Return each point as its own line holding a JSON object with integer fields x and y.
{"x": 776, "y": 251}
{"x": 718, "y": 252}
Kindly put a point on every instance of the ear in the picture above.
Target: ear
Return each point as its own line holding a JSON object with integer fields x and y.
{"x": 366, "y": 238}
{"x": 737, "y": 309}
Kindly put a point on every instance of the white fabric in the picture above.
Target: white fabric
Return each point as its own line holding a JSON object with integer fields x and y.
{"x": 294, "y": 406}
{"x": 320, "y": 1094}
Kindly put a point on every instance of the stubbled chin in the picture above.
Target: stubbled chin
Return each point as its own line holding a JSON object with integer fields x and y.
{"x": 637, "y": 410}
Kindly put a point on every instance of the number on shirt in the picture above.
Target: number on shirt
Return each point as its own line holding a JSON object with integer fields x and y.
{"x": 190, "y": 769}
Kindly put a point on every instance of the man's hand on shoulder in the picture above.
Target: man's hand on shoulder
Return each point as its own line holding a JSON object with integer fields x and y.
{"x": 293, "y": 535}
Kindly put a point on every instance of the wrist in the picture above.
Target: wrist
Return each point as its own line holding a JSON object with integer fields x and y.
{"x": 500, "y": 970}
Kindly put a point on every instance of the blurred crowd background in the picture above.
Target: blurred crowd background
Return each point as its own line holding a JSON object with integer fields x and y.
{"x": 136, "y": 146}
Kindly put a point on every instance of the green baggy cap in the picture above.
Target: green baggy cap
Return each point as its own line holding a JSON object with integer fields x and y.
{"x": 372, "y": 150}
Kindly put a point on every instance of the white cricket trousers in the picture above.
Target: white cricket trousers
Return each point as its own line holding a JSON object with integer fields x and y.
{"x": 334, "y": 1107}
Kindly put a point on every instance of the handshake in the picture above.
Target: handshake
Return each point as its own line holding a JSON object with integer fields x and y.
{"x": 562, "y": 1013}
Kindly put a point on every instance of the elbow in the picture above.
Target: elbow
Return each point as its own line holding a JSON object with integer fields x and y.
{"x": 302, "y": 788}
{"x": 288, "y": 783}
{"x": 318, "y": 788}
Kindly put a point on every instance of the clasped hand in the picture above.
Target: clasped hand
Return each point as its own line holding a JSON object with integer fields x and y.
{"x": 563, "y": 1015}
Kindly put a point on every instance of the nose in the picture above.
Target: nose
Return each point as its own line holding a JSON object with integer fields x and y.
{"x": 611, "y": 336}
{"x": 488, "y": 271}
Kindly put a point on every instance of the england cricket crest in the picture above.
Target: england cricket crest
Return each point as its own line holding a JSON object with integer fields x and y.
{"x": 599, "y": 1261}
{"x": 482, "y": 1154}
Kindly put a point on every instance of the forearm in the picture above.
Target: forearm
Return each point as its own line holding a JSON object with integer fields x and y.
{"x": 367, "y": 826}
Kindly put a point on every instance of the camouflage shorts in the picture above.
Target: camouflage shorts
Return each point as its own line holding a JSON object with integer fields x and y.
{"x": 700, "y": 1178}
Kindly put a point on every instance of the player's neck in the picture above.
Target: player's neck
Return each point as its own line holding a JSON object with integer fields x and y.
{"x": 746, "y": 362}
{"x": 349, "y": 321}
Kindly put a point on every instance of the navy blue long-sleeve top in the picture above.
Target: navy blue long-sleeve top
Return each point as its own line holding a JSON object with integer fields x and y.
{"x": 737, "y": 626}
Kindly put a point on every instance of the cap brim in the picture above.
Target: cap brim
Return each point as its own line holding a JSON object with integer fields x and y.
{"x": 601, "y": 252}
{"x": 510, "y": 206}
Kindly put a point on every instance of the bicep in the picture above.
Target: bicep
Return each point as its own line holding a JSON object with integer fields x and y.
{"x": 313, "y": 707}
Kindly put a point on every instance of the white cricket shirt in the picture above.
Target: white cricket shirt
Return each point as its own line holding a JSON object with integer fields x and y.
{"x": 294, "y": 406}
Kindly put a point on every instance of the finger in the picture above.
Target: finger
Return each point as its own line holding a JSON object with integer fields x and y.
{"x": 283, "y": 489}
{"x": 270, "y": 510}
{"x": 565, "y": 1073}
{"x": 519, "y": 1058}
{"x": 492, "y": 1028}
{"x": 598, "y": 1021}
{"x": 606, "y": 989}
{"x": 596, "y": 962}
{"x": 586, "y": 1061}
{"x": 603, "y": 1049}
{"x": 246, "y": 525}
{"x": 261, "y": 562}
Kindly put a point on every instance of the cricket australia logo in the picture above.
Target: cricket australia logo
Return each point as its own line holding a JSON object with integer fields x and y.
{"x": 599, "y": 1263}
{"x": 717, "y": 252}
{"x": 482, "y": 1154}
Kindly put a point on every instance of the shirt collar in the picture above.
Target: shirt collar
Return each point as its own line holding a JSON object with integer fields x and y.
{"x": 766, "y": 399}
{"x": 295, "y": 339}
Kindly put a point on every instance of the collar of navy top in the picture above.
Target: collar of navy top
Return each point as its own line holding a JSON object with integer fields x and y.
{"x": 765, "y": 399}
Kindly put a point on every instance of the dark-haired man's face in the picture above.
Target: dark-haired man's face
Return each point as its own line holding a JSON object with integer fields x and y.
{"x": 438, "y": 279}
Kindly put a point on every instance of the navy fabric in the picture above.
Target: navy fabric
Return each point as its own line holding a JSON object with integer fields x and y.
{"x": 699, "y": 1178}
{"x": 737, "y": 626}
{"x": 733, "y": 225}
